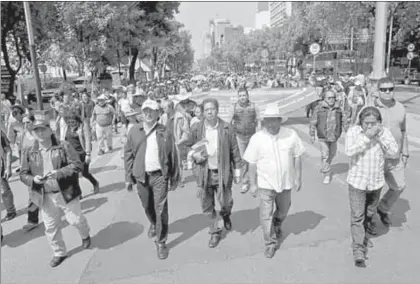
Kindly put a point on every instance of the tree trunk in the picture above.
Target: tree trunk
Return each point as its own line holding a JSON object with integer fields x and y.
{"x": 64, "y": 74}
{"x": 132, "y": 70}
{"x": 11, "y": 86}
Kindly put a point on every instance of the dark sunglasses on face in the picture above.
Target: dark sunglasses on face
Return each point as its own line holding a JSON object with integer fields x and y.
{"x": 329, "y": 98}
{"x": 16, "y": 112}
{"x": 384, "y": 90}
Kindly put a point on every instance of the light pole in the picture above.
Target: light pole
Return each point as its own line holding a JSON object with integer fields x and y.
{"x": 27, "y": 10}
{"x": 380, "y": 41}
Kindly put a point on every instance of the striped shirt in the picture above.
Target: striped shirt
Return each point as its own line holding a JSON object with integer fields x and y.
{"x": 366, "y": 170}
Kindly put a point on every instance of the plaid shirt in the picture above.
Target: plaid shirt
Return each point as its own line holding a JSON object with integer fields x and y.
{"x": 367, "y": 157}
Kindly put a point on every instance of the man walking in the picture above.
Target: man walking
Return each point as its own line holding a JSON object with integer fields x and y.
{"x": 6, "y": 173}
{"x": 328, "y": 122}
{"x": 215, "y": 165}
{"x": 150, "y": 161}
{"x": 245, "y": 121}
{"x": 275, "y": 154}
{"x": 103, "y": 114}
{"x": 394, "y": 118}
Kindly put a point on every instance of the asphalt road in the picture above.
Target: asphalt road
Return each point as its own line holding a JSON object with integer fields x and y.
{"x": 315, "y": 249}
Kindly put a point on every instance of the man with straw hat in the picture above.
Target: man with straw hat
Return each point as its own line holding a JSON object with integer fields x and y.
{"x": 275, "y": 154}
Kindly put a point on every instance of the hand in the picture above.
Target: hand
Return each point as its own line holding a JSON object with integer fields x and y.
{"x": 52, "y": 174}
{"x": 237, "y": 180}
{"x": 39, "y": 180}
{"x": 298, "y": 184}
{"x": 87, "y": 159}
{"x": 404, "y": 159}
{"x": 370, "y": 133}
{"x": 313, "y": 139}
{"x": 253, "y": 190}
{"x": 7, "y": 173}
{"x": 379, "y": 130}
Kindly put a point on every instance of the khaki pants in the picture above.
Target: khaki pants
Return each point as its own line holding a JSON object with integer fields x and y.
{"x": 52, "y": 208}
{"x": 104, "y": 133}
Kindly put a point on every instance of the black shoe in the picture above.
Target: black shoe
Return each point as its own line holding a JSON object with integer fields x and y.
{"x": 371, "y": 228}
{"x": 86, "y": 243}
{"x": 96, "y": 188}
{"x": 162, "y": 251}
{"x": 384, "y": 218}
{"x": 214, "y": 240}
{"x": 57, "y": 260}
{"x": 152, "y": 232}
{"x": 227, "y": 222}
{"x": 10, "y": 216}
{"x": 270, "y": 251}
{"x": 360, "y": 262}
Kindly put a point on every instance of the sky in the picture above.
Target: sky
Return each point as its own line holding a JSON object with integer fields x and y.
{"x": 196, "y": 16}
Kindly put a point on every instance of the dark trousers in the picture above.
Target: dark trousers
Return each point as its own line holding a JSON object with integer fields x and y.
{"x": 85, "y": 172}
{"x": 153, "y": 194}
{"x": 208, "y": 203}
{"x": 363, "y": 206}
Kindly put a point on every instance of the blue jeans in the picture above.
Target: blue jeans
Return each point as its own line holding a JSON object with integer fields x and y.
{"x": 328, "y": 152}
{"x": 242, "y": 144}
{"x": 274, "y": 207}
{"x": 363, "y": 205}
{"x": 7, "y": 196}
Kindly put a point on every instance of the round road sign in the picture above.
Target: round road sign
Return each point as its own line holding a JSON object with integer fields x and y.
{"x": 315, "y": 48}
{"x": 43, "y": 68}
{"x": 264, "y": 53}
{"x": 410, "y": 55}
{"x": 410, "y": 47}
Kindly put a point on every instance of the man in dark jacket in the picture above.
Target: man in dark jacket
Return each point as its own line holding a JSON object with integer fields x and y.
{"x": 216, "y": 166}
{"x": 151, "y": 161}
{"x": 52, "y": 171}
{"x": 328, "y": 122}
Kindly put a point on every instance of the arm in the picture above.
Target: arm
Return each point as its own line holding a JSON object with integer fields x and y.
{"x": 298, "y": 168}
{"x": 93, "y": 119}
{"x": 25, "y": 173}
{"x": 345, "y": 121}
{"x": 74, "y": 165}
{"x": 185, "y": 130}
{"x": 11, "y": 134}
{"x": 356, "y": 142}
{"x": 88, "y": 141}
{"x": 404, "y": 142}
{"x": 313, "y": 122}
{"x": 192, "y": 136}
{"x": 235, "y": 155}
{"x": 388, "y": 143}
{"x": 174, "y": 170}
{"x": 128, "y": 159}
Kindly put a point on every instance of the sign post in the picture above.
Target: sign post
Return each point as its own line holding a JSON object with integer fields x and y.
{"x": 314, "y": 49}
{"x": 410, "y": 57}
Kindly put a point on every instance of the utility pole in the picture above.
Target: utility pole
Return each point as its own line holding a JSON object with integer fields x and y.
{"x": 380, "y": 41}
{"x": 27, "y": 10}
{"x": 388, "y": 58}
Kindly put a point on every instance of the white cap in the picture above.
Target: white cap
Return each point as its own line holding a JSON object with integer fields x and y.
{"x": 272, "y": 110}
{"x": 150, "y": 104}
{"x": 102, "y": 97}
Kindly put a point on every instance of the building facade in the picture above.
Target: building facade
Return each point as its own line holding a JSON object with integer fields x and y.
{"x": 279, "y": 12}
{"x": 206, "y": 43}
{"x": 218, "y": 31}
{"x": 232, "y": 33}
{"x": 262, "y": 16}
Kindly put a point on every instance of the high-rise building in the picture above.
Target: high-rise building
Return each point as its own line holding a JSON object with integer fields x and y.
{"x": 206, "y": 44}
{"x": 262, "y": 16}
{"x": 280, "y": 12}
{"x": 232, "y": 33}
{"x": 217, "y": 31}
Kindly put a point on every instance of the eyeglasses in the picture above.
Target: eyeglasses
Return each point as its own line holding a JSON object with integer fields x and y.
{"x": 384, "y": 90}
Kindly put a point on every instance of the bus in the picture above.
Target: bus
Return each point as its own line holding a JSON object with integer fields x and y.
{"x": 333, "y": 62}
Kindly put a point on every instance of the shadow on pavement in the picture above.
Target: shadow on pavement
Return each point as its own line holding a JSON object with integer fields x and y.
{"x": 19, "y": 237}
{"x": 339, "y": 168}
{"x": 246, "y": 221}
{"x": 103, "y": 169}
{"x": 116, "y": 234}
{"x": 188, "y": 227}
{"x": 91, "y": 205}
{"x": 300, "y": 222}
{"x": 398, "y": 217}
{"x": 111, "y": 187}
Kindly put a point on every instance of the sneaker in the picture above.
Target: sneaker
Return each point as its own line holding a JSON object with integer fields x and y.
{"x": 245, "y": 188}
{"x": 270, "y": 251}
{"x": 227, "y": 223}
{"x": 214, "y": 240}
{"x": 29, "y": 226}
{"x": 384, "y": 218}
{"x": 162, "y": 251}
{"x": 86, "y": 243}
{"x": 327, "y": 179}
{"x": 96, "y": 188}
{"x": 10, "y": 216}
{"x": 57, "y": 260}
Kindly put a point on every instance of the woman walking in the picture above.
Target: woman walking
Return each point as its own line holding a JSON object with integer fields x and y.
{"x": 78, "y": 137}
{"x": 366, "y": 144}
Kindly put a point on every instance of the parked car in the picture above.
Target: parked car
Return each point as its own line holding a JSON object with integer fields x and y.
{"x": 47, "y": 93}
{"x": 82, "y": 83}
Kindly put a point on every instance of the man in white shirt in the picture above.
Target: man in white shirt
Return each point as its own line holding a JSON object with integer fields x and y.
{"x": 274, "y": 155}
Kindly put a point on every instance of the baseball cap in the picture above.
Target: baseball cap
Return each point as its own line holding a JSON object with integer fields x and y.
{"x": 41, "y": 123}
{"x": 150, "y": 104}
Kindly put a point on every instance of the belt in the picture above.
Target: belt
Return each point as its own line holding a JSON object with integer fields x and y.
{"x": 214, "y": 171}
{"x": 154, "y": 172}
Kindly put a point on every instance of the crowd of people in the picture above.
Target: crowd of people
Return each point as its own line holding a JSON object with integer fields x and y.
{"x": 164, "y": 138}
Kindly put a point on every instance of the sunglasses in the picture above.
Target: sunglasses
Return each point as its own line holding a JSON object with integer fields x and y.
{"x": 384, "y": 90}
{"x": 330, "y": 98}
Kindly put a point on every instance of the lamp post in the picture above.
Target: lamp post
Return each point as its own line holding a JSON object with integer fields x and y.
{"x": 380, "y": 40}
{"x": 27, "y": 10}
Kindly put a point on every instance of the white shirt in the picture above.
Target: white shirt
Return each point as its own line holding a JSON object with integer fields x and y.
{"x": 212, "y": 136}
{"x": 274, "y": 155}
{"x": 151, "y": 158}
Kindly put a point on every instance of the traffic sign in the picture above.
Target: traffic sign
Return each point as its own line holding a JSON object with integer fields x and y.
{"x": 43, "y": 68}
{"x": 264, "y": 53}
{"x": 410, "y": 55}
{"x": 411, "y": 47}
{"x": 315, "y": 48}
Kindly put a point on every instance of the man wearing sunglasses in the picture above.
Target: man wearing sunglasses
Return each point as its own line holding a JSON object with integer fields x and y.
{"x": 394, "y": 118}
